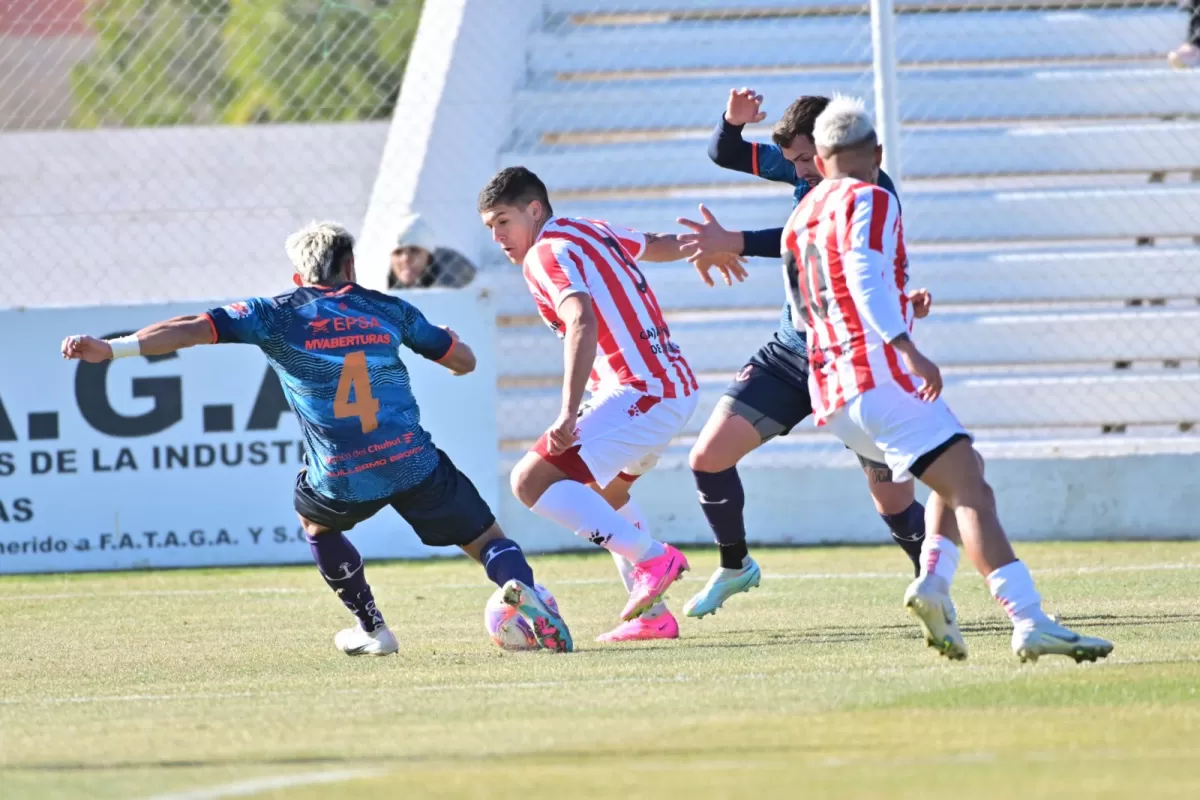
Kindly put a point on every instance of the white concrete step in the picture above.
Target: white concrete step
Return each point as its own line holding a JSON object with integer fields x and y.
{"x": 979, "y": 401}
{"x": 951, "y": 338}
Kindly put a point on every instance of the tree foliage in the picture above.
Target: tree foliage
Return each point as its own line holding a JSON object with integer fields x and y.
{"x": 178, "y": 62}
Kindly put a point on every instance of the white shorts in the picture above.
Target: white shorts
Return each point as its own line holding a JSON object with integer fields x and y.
{"x": 621, "y": 431}
{"x": 890, "y": 425}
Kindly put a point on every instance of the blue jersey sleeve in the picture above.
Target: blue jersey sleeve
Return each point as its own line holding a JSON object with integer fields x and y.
{"x": 247, "y": 322}
{"x": 728, "y": 149}
{"x": 886, "y": 182}
{"x": 419, "y": 335}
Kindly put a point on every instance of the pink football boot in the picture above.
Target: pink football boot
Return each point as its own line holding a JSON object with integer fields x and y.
{"x": 664, "y": 626}
{"x": 651, "y": 579}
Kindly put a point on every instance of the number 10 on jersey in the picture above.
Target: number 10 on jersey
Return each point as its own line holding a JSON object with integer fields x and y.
{"x": 807, "y": 289}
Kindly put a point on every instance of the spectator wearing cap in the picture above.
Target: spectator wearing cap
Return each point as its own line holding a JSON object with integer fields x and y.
{"x": 418, "y": 263}
{"x": 1188, "y": 53}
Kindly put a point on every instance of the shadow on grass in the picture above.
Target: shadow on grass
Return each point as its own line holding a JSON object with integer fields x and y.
{"x": 899, "y": 631}
{"x": 720, "y": 751}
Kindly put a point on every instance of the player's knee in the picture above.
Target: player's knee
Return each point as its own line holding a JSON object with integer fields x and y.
{"x": 313, "y": 529}
{"x": 708, "y": 455}
{"x": 892, "y": 498}
{"x": 525, "y": 484}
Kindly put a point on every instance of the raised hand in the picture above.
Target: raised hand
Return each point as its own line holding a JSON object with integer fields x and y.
{"x": 86, "y": 348}
{"x": 710, "y": 245}
{"x": 730, "y": 266}
{"x": 921, "y": 301}
{"x": 743, "y": 107}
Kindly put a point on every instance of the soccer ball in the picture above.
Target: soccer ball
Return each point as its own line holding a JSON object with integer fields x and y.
{"x": 505, "y": 624}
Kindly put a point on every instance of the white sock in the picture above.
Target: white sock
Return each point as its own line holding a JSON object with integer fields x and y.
{"x": 939, "y": 556}
{"x": 1013, "y": 588}
{"x": 632, "y": 513}
{"x": 577, "y": 508}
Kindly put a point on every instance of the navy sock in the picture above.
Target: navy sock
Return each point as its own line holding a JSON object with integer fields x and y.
{"x": 722, "y": 500}
{"x": 908, "y": 530}
{"x": 342, "y": 568}
{"x": 503, "y": 561}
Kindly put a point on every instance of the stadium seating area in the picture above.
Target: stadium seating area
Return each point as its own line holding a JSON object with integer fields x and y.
{"x": 1049, "y": 159}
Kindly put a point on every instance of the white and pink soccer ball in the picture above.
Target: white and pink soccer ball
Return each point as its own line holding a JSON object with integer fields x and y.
{"x": 505, "y": 624}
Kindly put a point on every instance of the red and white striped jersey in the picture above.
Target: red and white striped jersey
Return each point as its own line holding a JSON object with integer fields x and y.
{"x": 578, "y": 256}
{"x": 845, "y": 271}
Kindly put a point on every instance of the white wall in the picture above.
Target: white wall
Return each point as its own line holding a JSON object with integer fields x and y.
{"x": 171, "y": 214}
{"x": 1088, "y": 490}
{"x": 76, "y": 494}
{"x": 453, "y": 116}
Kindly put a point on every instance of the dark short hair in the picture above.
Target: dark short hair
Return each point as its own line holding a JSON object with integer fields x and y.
{"x": 799, "y": 120}
{"x": 514, "y": 186}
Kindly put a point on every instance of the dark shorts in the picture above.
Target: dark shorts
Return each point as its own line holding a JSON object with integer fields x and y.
{"x": 445, "y": 509}
{"x": 771, "y": 393}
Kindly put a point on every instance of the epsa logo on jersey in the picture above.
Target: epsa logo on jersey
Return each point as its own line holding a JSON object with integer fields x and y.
{"x": 343, "y": 324}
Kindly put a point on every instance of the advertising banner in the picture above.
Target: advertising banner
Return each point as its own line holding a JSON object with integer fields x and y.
{"x": 189, "y": 460}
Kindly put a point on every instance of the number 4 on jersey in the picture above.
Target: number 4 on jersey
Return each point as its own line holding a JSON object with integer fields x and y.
{"x": 357, "y": 381}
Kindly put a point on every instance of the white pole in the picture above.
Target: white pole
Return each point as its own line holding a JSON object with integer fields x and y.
{"x": 887, "y": 115}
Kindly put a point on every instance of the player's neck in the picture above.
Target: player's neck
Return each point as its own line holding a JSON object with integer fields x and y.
{"x": 537, "y": 231}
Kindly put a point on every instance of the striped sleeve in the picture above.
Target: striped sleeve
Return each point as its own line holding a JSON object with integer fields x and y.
{"x": 556, "y": 267}
{"x": 869, "y": 246}
{"x": 632, "y": 242}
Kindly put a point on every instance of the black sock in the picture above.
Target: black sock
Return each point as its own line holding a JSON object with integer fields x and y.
{"x": 503, "y": 560}
{"x": 908, "y": 531}
{"x": 342, "y": 568}
{"x": 722, "y": 500}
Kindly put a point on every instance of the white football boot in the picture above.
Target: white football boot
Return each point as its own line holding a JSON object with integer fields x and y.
{"x": 1048, "y": 638}
{"x": 928, "y": 601}
{"x": 357, "y": 642}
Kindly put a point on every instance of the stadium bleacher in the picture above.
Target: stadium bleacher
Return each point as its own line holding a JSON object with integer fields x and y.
{"x": 1042, "y": 144}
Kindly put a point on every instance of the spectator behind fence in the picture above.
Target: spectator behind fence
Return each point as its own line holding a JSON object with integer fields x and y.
{"x": 1188, "y": 53}
{"x": 418, "y": 263}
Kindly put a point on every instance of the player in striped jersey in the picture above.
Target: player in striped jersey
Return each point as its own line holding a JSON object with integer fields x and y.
{"x": 769, "y": 395}
{"x": 845, "y": 271}
{"x": 588, "y": 288}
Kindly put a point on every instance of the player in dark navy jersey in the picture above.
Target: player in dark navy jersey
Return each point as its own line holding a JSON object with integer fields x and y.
{"x": 770, "y": 396}
{"x": 336, "y": 349}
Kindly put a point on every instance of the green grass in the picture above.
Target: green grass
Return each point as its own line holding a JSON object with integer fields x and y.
{"x": 131, "y": 685}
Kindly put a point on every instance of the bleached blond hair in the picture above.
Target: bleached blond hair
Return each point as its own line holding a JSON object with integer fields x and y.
{"x": 843, "y": 124}
{"x": 318, "y": 249}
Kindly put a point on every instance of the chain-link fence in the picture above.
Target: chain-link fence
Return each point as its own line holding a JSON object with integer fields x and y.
{"x": 162, "y": 149}
{"x": 156, "y": 149}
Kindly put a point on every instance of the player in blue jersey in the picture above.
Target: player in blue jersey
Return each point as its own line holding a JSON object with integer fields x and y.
{"x": 769, "y": 396}
{"x": 335, "y": 347}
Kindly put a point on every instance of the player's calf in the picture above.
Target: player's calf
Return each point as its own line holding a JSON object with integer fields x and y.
{"x": 898, "y": 508}
{"x": 957, "y": 475}
{"x": 551, "y": 493}
{"x": 341, "y": 566}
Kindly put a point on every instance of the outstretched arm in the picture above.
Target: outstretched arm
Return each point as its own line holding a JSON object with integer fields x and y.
{"x": 674, "y": 247}
{"x": 158, "y": 339}
{"x": 459, "y": 359}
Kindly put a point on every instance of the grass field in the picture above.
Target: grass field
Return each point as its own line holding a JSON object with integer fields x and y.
{"x": 206, "y": 684}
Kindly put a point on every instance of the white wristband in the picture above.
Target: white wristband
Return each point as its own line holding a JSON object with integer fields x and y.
{"x": 125, "y": 346}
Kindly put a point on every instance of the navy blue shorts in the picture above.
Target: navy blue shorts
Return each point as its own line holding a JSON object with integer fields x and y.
{"x": 771, "y": 393}
{"x": 445, "y": 509}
